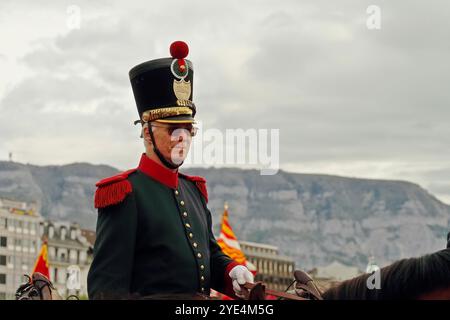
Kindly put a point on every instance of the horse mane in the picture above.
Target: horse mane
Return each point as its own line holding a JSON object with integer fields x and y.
{"x": 404, "y": 279}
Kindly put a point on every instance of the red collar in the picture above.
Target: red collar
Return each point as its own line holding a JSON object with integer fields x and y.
{"x": 158, "y": 172}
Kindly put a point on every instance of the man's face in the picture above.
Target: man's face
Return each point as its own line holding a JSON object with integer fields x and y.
{"x": 173, "y": 140}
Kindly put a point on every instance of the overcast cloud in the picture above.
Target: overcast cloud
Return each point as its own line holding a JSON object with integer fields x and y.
{"x": 347, "y": 100}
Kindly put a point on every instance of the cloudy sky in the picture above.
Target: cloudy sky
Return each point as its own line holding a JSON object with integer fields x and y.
{"x": 347, "y": 100}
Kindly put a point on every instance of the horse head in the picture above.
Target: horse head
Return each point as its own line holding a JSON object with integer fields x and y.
{"x": 38, "y": 287}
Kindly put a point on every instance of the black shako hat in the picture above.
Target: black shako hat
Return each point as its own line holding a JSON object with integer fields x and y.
{"x": 163, "y": 87}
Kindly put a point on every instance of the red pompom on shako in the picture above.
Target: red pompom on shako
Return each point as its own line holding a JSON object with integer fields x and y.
{"x": 179, "y": 50}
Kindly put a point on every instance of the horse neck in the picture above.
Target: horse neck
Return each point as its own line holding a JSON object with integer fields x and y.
{"x": 439, "y": 294}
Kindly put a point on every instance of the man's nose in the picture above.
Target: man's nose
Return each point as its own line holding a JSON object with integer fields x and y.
{"x": 180, "y": 135}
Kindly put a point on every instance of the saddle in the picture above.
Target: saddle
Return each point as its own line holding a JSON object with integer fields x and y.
{"x": 305, "y": 286}
{"x": 305, "y": 289}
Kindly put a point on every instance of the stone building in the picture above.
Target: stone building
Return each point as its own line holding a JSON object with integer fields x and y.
{"x": 68, "y": 250}
{"x": 19, "y": 244}
{"x": 275, "y": 270}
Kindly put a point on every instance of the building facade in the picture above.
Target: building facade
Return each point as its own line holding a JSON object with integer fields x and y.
{"x": 69, "y": 255}
{"x": 19, "y": 244}
{"x": 275, "y": 270}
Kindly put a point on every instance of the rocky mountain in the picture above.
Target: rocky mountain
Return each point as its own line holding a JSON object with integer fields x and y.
{"x": 61, "y": 192}
{"x": 313, "y": 218}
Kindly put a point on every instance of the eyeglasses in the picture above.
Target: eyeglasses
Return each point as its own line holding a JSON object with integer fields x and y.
{"x": 170, "y": 129}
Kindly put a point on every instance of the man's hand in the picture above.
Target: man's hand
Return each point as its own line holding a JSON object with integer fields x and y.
{"x": 239, "y": 276}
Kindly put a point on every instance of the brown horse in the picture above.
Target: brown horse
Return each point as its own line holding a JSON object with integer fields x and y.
{"x": 426, "y": 277}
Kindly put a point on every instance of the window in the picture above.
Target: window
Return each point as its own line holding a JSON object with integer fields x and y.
{"x": 83, "y": 256}
{"x": 73, "y": 256}
{"x": 2, "y": 278}
{"x": 18, "y": 242}
{"x": 51, "y": 251}
{"x": 52, "y": 274}
{"x": 2, "y": 241}
{"x": 3, "y": 222}
{"x": 2, "y": 260}
{"x": 41, "y": 228}
{"x": 61, "y": 275}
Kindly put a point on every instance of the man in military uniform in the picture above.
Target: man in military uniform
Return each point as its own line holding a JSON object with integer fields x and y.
{"x": 154, "y": 230}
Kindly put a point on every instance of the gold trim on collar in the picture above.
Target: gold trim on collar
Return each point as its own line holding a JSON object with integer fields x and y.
{"x": 154, "y": 114}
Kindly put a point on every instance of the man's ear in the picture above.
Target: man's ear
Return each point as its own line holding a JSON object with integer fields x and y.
{"x": 147, "y": 135}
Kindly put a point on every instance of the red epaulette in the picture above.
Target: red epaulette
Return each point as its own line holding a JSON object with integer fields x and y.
{"x": 200, "y": 182}
{"x": 112, "y": 190}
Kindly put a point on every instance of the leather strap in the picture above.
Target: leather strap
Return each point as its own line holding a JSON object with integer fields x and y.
{"x": 313, "y": 291}
{"x": 279, "y": 294}
{"x": 168, "y": 164}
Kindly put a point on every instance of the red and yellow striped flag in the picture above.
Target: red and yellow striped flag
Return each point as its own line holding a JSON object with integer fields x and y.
{"x": 230, "y": 246}
{"x": 41, "y": 264}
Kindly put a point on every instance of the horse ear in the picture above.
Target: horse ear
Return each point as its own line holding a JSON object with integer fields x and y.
{"x": 43, "y": 285}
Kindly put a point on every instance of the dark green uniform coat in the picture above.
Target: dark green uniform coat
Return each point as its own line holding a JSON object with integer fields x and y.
{"x": 154, "y": 236}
